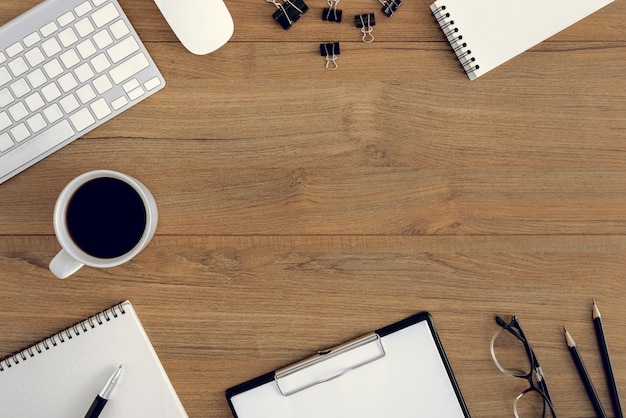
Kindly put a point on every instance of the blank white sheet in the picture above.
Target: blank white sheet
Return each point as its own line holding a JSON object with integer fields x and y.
{"x": 410, "y": 381}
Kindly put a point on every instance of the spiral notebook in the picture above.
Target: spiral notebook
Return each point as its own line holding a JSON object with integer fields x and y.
{"x": 486, "y": 33}
{"x": 398, "y": 371}
{"x": 61, "y": 375}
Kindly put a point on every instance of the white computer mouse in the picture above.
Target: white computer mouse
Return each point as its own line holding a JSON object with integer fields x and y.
{"x": 202, "y": 26}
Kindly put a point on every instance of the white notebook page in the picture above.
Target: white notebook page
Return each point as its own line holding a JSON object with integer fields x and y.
{"x": 64, "y": 380}
{"x": 497, "y": 30}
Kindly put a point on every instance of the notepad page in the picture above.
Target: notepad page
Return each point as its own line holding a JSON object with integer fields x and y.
{"x": 64, "y": 380}
{"x": 497, "y": 30}
{"x": 410, "y": 381}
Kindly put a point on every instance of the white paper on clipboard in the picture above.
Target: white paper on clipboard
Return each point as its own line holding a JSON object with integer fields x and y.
{"x": 410, "y": 379}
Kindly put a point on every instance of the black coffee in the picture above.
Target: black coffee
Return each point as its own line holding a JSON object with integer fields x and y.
{"x": 106, "y": 217}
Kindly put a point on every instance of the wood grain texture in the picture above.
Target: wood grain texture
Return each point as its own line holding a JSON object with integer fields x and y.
{"x": 299, "y": 208}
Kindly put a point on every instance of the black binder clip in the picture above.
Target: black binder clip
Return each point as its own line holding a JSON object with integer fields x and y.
{"x": 288, "y": 12}
{"x": 330, "y": 51}
{"x": 365, "y": 23}
{"x": 331, "y": 13}
{"x": 390, "y": 6}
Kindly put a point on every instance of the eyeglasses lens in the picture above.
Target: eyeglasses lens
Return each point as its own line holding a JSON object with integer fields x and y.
{"x": 532, "y": 405}
{"x": 510, "y": 354}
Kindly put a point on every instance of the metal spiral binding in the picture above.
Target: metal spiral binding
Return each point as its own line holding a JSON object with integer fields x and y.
{"x": 455, "y": 39}
{"x": 61, "y": 336}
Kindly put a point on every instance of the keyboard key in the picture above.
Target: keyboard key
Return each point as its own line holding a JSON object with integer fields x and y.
{"x": 69, "y": 58}
{"x": 98, "y": 2}
{"x": 119, "y": 29}
{"x": 82, "y": 9}
{"x": 18, "y": 111}
{"x": 100, "y": 108}
{"x": 123, "y": 49}
{"x": 68, "y": 37}
{"x": 5, "y": 142}
{"x": 49, "y": 29}
{"x": 82, "y": 119}
{"x": 67, "y": 82}
{"x": 51, "y": 47}
{"x": 86, "y": 93}
{"x": 6, "y": 97}
{"x": 36, "y": 122}
{"x": 129, "y": 68}
{"x": 84, "y": 27}
{"x": 20, "y": 132}
{"x": 104, "y": 15}
{"x": 53, "y": 68}
{"x": 69, "y": 103}
{"x": 103, "y": 39}
{"x": 5, "y": 121}
{"x": 14, "y": 49}
{"x": 35, "y": 56}
{"x": 83, "y": 72}
{"x": 51, "y": 92}
{"x": 20, "y": 88}
{"x": 37, "y": 78}
{"x": 34, "y": 102}
{"x": 3, "y": 57}
{"x": 102, "y": 84}
{"x": 137, "y": 93}
{"x": 130, "y": 85}
{"x": 53, "y": 113}
{"x": 5, "y": 77}
{"x": 66, "y": 19}
{"x": 99, "y": 63}
{"x": 44, "y": 141}
{"x": 86, "y": 48}
{"x": 152, "y": 83}
{"x": 18, "y": 66}
{"x": 119, "y": 102}
{"x": 31, "y": 39}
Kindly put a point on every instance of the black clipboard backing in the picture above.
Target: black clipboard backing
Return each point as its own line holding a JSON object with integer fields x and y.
{"x": 400, "y": 370}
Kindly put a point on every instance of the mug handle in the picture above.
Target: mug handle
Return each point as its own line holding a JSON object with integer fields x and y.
{"x": 64, "y": 265}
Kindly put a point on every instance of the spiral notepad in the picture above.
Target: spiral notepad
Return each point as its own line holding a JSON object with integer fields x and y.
{"x": 486, "y": 33}
{"x": 60, "y": 375}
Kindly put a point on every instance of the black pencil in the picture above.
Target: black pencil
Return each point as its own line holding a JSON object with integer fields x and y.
{"x": 606, "y": 360}
{"x": 582, "y": 371}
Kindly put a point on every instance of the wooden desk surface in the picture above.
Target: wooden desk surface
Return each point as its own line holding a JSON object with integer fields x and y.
{"x": 299, "y": 207}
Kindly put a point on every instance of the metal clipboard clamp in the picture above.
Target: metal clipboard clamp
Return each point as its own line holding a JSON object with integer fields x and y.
{"x": 329, "y": 364}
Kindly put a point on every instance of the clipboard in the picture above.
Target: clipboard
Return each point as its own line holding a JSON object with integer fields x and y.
{"x": 399, "y": 371}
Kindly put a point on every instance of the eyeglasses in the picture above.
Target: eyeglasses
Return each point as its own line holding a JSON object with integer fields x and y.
{"x": 514, "y": 356}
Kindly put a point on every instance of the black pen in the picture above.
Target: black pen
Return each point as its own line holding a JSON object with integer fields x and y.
{"x": 606, "y": 360}
{"x": 582, "y": 371}
{"x": 104, "y": 395}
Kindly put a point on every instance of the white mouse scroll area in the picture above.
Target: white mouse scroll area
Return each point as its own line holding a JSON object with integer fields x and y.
{"x": 202, "y": 26}
{"x": 410, "y": 381}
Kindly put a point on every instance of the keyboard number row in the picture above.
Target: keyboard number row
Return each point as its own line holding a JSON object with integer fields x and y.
{"x": 84, "y": 27}
{"x": 70, "y": 35}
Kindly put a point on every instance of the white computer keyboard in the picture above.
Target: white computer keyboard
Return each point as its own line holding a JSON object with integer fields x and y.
{"x": 66, "y": 67}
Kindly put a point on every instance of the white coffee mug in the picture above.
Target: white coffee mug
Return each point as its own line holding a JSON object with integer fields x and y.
{"x": 102, "y": 219}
